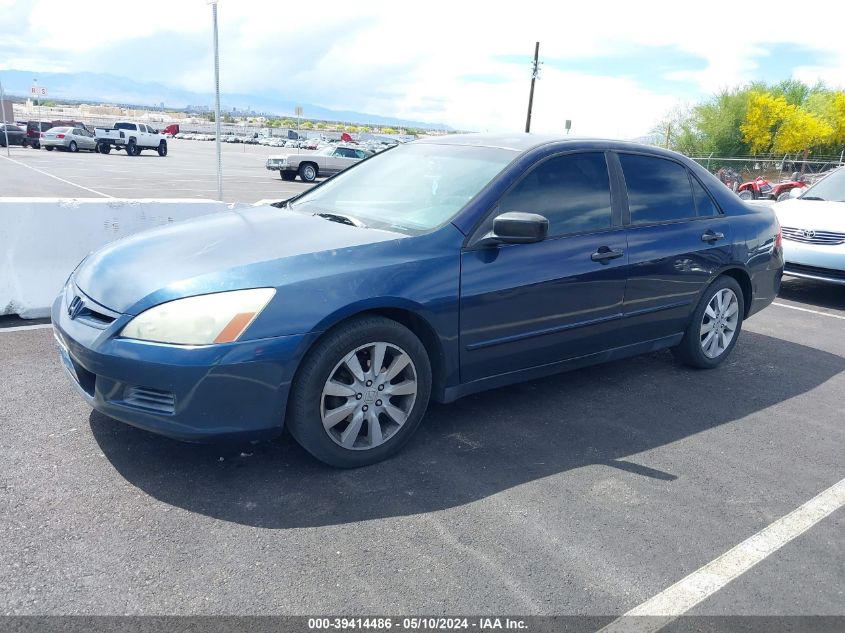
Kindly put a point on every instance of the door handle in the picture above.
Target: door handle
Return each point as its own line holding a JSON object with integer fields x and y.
{"x": 605, "y": 254}
{"x": 712, "y": 236}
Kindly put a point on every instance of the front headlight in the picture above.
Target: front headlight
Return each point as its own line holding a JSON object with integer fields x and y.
{"x": 215, "y": 318}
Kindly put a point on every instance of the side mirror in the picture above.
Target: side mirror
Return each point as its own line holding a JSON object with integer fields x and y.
{"x": 515, "y": 227}
{"x": 796, "y": 191}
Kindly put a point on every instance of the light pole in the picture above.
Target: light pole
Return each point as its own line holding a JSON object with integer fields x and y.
{"x": 3, "y": 111}
{"x": 213, "y": 4}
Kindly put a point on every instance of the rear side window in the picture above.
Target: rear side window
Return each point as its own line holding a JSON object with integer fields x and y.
{"x": 571, "y": 191}
{"x": 703, "y": 202}
{"x": 659, "y": 190}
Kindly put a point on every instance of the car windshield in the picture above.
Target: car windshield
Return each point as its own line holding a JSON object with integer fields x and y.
{"x": 412, "y": 189}
{"x": 831, "y": 188}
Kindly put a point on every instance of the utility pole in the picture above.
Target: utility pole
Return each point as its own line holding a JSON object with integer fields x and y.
{"x": 534, "y": 70}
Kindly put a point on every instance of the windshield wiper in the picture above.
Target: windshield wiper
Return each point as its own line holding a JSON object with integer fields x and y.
{"x": 812, "y": 198}
{"x": 343, "y": 219}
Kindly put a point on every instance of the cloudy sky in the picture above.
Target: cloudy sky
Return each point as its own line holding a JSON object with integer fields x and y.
{"x": 611, "y": 67}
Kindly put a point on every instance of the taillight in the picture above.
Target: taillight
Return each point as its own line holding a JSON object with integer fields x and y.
{"x": 60, "y": 135}
{"x": 41, "y": 134}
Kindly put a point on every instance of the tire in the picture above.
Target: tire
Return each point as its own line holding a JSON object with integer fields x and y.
{"x": 746, "y": 194}
{"x": 36, "y": 145}
{"x": 288, "y": 175}
{"x": 73, "y": 147}
{"x": 694, "y": 349}
{"x": 315, "y": 418}
{"x": 105, "y": 148}
{"x": 132, "y": 148}
{"x": 162, "y": 148}
{"x": 784, "y": 196}
{"x": 49, "y": 148}
{"x": 308, "y": 172}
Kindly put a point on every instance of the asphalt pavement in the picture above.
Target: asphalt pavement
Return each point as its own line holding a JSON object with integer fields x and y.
{"x": 583, "y": 493}
{"x": 188, "y": 171}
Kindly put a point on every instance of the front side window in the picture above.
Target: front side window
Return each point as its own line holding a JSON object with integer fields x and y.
{"x": 571, "y": 191}
{"x": 659, "y": 190}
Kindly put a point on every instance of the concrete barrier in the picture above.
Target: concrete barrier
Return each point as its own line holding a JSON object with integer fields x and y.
{"x": 43, "y": 239}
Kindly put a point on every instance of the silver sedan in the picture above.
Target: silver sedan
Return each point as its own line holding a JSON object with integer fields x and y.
{"x": 72, "y": 139}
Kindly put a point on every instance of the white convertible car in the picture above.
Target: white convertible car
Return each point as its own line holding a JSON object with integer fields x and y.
{"x": 813, "y": 225}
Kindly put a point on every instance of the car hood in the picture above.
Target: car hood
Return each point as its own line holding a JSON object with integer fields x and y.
{"x": 818, "y": 215}
{"x": 277, "y": 156}
{"x": 187, "y": 258}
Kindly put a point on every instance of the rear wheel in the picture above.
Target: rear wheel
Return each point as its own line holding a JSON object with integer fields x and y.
{"x": 746, "y": 194}
{"x": 49, "y": 148}
{"x": 73, "y": 147}
{"x": 308, "y": 172}
{"x": 132, "y": 148}
{"x": 162, "y": 148}
{"x": 105, "y": 148}
{"x": 715, "y": 325}
{"x": 360, "y": 393}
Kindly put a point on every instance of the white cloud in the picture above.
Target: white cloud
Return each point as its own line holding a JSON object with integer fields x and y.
{"x": 413, "y": 59}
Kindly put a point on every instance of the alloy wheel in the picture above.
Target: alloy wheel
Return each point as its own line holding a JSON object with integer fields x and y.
{"x": 368, "y": 396}
{"x": 719, "y": 323}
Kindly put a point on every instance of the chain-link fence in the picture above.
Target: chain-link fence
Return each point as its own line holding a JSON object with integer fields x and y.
{"x": 770, "y": 166}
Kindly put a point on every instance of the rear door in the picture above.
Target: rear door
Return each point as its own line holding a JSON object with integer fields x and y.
{"x": 526, "y": 305}
{"x": 678, "y": 239}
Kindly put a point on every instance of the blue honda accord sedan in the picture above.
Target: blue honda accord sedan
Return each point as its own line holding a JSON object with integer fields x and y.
{"x": 434, "y": 270}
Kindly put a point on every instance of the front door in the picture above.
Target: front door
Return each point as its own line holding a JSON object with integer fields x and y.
{"x": 527, "y": 305}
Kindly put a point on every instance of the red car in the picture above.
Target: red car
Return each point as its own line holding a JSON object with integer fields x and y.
{"x": 760, "y": 188}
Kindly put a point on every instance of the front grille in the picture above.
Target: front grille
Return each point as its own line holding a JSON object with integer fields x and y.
{"x": 151, "y": 399}
{"x": 94, "y": 317}
{"x": 816, "y": 271}
{"x": 806, "y": 236}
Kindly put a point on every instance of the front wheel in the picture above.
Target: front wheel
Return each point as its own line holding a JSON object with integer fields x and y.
{"x": 162, "y": 148}
{"x": 715, "y": 325}
{"x": 360, "y": 393}
{"x": 105, "y": 148}
{"x": 288, "y": 175}
{"x": 746, "y": 194}
{"x": 308, "y": 172}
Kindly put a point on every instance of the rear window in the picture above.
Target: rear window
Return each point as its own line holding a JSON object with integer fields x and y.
{"x": 125, "y": 126}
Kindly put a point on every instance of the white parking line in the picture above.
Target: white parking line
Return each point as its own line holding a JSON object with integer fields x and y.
{"x": 827, "y": 314}
{"x": 17, "y": 162}
{"x": 673, "y": 602}
{"x": 21, "y": 328}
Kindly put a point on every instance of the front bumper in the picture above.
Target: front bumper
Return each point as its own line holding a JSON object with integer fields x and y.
{"x": 185, "y": 392}
{"x": 813, "y": 261}
{"x": 276, "y": 166}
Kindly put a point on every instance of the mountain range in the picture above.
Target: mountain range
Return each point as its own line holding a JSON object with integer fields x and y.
{"x": 106, "y": 88}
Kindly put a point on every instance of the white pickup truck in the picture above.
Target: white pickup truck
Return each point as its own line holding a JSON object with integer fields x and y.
{"x": 130, "y": 136}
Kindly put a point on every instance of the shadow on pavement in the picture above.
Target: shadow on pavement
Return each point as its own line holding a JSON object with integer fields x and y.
{"x": 478, "y": 446}
{"x": 813, "y": 293}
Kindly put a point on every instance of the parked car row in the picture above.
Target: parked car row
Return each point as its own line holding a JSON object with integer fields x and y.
{"x": 130, "y": 136}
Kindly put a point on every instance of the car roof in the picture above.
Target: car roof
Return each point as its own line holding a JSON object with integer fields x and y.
{"x": 523, "y": 142}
